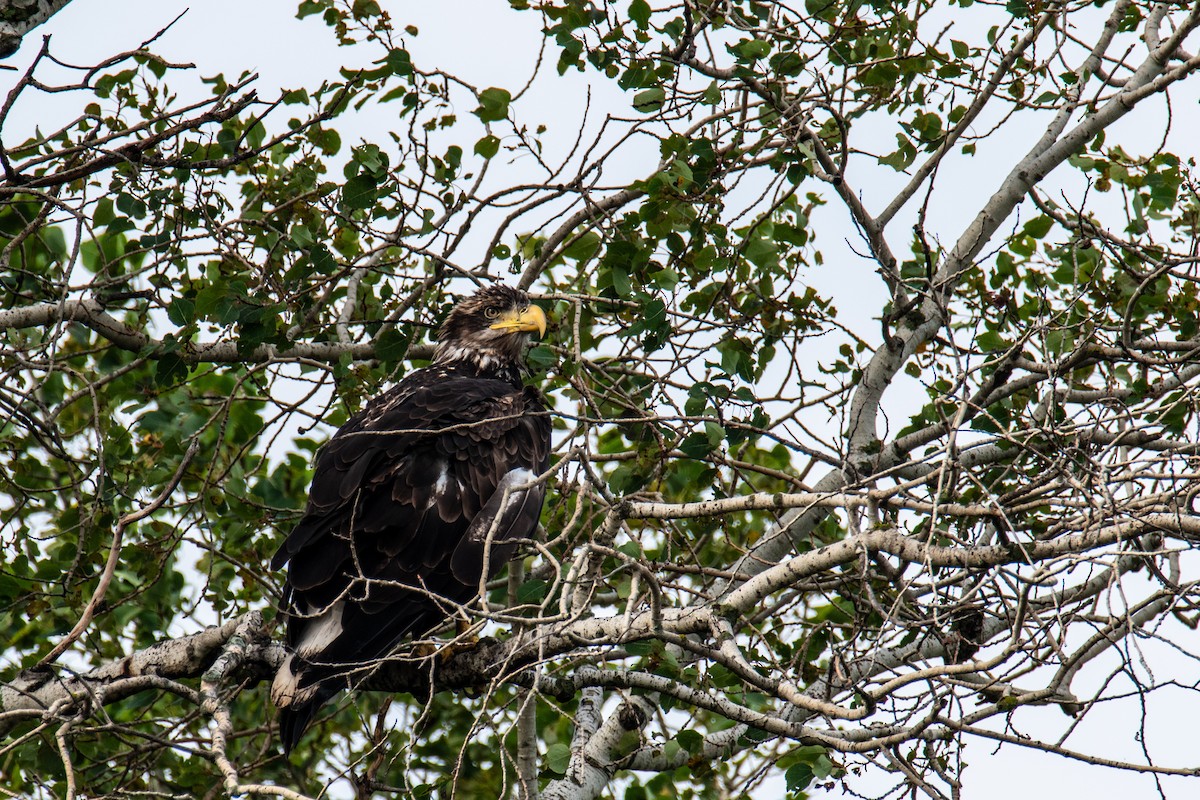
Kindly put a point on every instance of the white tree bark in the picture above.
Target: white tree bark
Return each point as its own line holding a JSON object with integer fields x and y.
{"x": 35, "y": 692}
{"x": 592, "y": 765}
{"x": 19, "y": 17}
{"x": 95, "y": 316}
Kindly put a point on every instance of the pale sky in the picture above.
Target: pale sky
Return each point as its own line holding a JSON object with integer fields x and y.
{"x": 486, "y": 43}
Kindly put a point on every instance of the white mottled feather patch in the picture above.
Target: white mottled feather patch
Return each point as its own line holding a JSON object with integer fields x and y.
{"x": 439, "y": 488}
{"x": 285, "y": 690}
{"x": 516, "y": 477}
{"x": 512, "y": 496}
{"x": 321, "y": 632}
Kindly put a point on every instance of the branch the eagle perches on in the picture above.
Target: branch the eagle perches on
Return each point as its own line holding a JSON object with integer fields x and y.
{"x": 243, "y": 652}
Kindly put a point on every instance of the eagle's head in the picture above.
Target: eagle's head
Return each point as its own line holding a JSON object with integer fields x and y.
{"x": 490, "y": 328}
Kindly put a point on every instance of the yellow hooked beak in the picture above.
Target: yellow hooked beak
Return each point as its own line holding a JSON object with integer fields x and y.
{"x": 528, "y": 320}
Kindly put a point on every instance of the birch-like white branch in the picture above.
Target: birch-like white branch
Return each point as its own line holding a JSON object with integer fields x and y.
{"x": 19, "y": 17}
{"x": 34, "y": 692}
{"x": 93, "y": 315}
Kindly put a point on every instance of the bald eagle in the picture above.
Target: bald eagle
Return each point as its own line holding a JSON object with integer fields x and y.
{"x": 412, "y": 501}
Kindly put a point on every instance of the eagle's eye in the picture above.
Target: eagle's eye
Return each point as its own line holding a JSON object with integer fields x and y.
{"x": 491, "y": 312}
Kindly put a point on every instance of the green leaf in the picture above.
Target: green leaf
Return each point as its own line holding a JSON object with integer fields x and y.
{"x": 749, "y": 50}
{"x": 400, "y": 61}
{"x": 329, "y": 140}
{"x": 532, "y": 592}
{"x": 626, "y": 478}
{"x": 293, "y": 97}
{"x": 169, "y": 370}
{"x": 370, "y": 158}
{"x": 322, "y": 260}
{"x": 762, "y": 252}
{"x": 798, "y": 777}
{"x": 488, "y": 146}
{"x": 55, "y": 241}
{"x": 715, "y": 433}
{"x": 789, "y": 63}
{"x": 301, "y": 236}
{"x": 308, "y": 8}
{"x": 391, "y": 344}
{"x": 583, "y": 248}
{"x": 131, "y": 205}
{"x": 695, "y": 445}
{"x": 639, "y": 12}
{"x": 691, "y": 741}
{"x": 642, "y": 647}
{"x": 650, "y": 100}
{"x": 1039, "y": 226}
{"x": 181, "y": 311}
{"x": 256, "y": 135}
{"x": 1059, "y": 341}
{"x": 104, "y": 213}
{"x": 558, "y": 758}
{"x": 359, "y": 192}
{"x": 621, "y": 282}
{"x": 665, "y": 278}
{"x": 227, "y": 138}
{"x": 493, "y": 104}
{"x": 904, "y": 155}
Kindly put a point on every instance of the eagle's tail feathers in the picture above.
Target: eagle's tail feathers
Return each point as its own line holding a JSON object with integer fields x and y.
{"x": 295, "y": 719}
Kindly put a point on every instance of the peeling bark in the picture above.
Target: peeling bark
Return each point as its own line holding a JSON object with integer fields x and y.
{"x": 19, "y": 17}
{"x": 95, "y": 316}
{"x": 38, "y": 690}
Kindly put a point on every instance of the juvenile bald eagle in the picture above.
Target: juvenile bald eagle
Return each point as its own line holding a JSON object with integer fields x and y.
{"x": 410, "y": 499}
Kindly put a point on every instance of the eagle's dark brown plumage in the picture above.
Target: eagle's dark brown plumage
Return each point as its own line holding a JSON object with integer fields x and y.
{"x": 406, "y": 498}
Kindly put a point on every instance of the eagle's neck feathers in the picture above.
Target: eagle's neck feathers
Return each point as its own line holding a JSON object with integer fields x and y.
{"x": 479, "y": 360}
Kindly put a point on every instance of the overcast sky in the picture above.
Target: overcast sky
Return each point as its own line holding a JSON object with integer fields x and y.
{"x": 486, "y": 43}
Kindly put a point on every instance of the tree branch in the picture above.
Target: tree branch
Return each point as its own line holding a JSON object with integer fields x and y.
{"x": 92, "y": 314}
{"x": 19, "y": 17}
{"x": 37, "y": 691}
